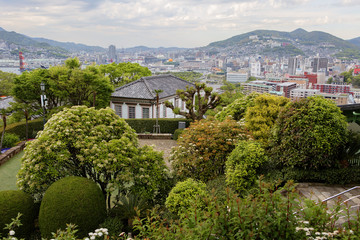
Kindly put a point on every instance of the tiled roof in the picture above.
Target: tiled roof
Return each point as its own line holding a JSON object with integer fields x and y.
{"x": 145, "y": 86}
{"x": 5, "y": 102}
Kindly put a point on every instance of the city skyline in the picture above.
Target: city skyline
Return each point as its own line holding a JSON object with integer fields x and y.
{"x": 179, "y": 23}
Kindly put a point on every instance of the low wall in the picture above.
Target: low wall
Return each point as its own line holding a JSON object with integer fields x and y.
{"x": 154, "y": 136}
{"x": 11, "y": 152}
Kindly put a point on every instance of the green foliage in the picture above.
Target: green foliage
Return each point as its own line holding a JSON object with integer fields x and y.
{"x": 341, "y": 176}
{"x": 14, "y": 202}
{"x": 242, "y": 165}
{"x": 19, "y": 128}
{"x": 123, "y": 73}
{"x": 167, "y": 125}
{"x": 236, "y": 110}
{"x": 68, "y": 84}
{"x": 260, "y": 117}
{"x": 10, "y": 140}
{"x": 348, "y": 53}
{"x": 356, "y": 81}
{"x": 96, "y": 144}
{"x": 177, "y": 133}
{"x": 231, "y": 93}
{"x": 114, "y": 225}
{"x": 308, "y": 134}
{"x": 218, "y": 188}
{"x": 183, "y": 196}
{"x": 73, "y": 200}
{"x": 203, "y": 148}
{"x": 348, "y": 77}
{"x": 289, "y": 50}
{"x": 198, "y": 100}
{"x": 6, "y": 82}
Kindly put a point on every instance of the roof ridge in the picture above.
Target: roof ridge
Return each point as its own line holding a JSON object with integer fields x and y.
{"x": 147, "y": 87}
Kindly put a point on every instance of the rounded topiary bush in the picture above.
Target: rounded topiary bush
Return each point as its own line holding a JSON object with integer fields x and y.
{"x": 185, "y": 195}
{"x": 13, "y": 202}
{"x": 73, "y": 200}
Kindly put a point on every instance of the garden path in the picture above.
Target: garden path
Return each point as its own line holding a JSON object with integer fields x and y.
{"x": 163, "y": 145}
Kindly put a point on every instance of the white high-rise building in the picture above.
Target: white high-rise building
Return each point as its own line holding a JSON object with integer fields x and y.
{"x": 255, "y": 69}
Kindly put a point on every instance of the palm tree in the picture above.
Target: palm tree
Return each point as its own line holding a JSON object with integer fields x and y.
{"x": 157, "y": 127}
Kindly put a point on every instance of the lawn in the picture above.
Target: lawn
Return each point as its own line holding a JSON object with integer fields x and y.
{"x": 8, "y": 172}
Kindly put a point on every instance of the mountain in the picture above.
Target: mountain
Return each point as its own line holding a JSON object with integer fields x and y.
{"x": 1, "y": 29}
{"x": 355, "y": 41}
{"x": 70, "y": 46}
{"x": 297, "y": 37}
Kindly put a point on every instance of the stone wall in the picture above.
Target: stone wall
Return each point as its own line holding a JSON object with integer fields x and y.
{"x": 11, "y": 152}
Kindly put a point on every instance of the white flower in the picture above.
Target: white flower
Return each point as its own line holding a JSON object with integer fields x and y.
{"x": 100, "y": 234}
{"x": 92, "y": 237}
{"x": 87, "y": 239}
{"x": 12, "y": 233}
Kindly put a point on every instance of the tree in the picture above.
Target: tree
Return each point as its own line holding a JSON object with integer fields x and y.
{"x": 236, "y": 110}
{"x": 123, "y": 73}
{"x": 187, "y": 76}
{"x": 64, "y": 85}
{"x": 6, "y": 82}
{"x": 198, "y": 100}
{"x": 96, "y": 144}
{"x": 356, "y": 81}
{"x": 3, "y": 116}
{"x": 308, "y": 134}
{"x": 348, "y": 77}
{"x": 251, "y": 78}
{"x": 260, "y": 117}
{"x": 203, "y": 148}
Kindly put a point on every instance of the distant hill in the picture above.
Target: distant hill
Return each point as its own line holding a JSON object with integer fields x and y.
{"x": 355, "y": 41}
{"x": 144, "y": 49}
{"x": 299, "y": 36}
{"x": 70, "y": 46}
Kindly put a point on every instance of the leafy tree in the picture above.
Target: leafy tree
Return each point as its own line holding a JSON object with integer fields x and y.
{"x": 198, "y": 100}
{"x": 251, "y": 78}
{"x": 330, "y": 80}
{"x": 64, "y": 85}
{"x": 242, "y": 165}
{"x": 348, "y": 77}
{"x": 188, "y": 76}
{"x": 356, "y": 81}
{"x": 308, "y": 134}
{"x": 231, "y": 92}
{"x": 96, "y": 144}
{"x": 3, "y": 117}
{"x": 203, "y": 148}
{"x": 6, "y": 82}
{"x": 236, "y": 110}
{"x": 260, "y": 117}
{"x": 123, "y": 73}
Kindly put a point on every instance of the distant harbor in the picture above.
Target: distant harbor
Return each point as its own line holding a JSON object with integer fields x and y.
{"x": 15, "y": 70}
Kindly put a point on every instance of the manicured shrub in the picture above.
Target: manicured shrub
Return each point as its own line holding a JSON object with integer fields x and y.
{"x": 185, "y": 194}
{"x": 308, "y": 134}
{"x": 20, "y": 128}
{"x": 14, "y": 202}
{"x": 73, "y": 200}
{"x": 10, "y": 140}
{"x": 167, "y": 125}
{"x": 242, "y": 165}
{"x": 203, "y": 148}
{"x": 177, "y": 133}
{"x": 114, "y": 225}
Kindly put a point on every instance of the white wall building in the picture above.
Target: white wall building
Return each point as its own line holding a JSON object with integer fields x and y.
{"x": 235, "y": 77}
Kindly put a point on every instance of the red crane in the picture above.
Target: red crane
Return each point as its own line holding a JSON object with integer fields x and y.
{"x": 22, "y": 63}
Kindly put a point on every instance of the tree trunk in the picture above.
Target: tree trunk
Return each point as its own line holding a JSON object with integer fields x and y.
{"x": 3, "y": 132}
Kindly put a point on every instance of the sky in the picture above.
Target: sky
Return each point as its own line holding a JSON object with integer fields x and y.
{"x": 173, "y": 23}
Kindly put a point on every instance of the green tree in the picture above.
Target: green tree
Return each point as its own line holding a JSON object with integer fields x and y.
{"x": 96, "y": 144}
{"x": 6, "y": 82}
{"x": 356, "y": 81}
{"x": 348, "y": 77}
{"x": 260, "y": 117}
{"x": 197, "y": 101}
{"x": 64, "y": 85}
{"x": 123, "y": 73}
{"x": 330, "y": 80}
{"x": 188, "y": 76}
{"x": 242, "y": 165}
{"x": 236, "y": 110}
{"x": 251, "y": 78}
{"x": 203, "y": 148}
{"x": 308, "y": 134}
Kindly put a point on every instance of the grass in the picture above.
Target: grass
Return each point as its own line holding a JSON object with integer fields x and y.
{"x": 8, "y": 172}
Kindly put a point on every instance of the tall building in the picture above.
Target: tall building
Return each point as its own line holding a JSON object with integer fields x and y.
{"x": 112, "y": 53}
{"x": 320, "y": 65}
{"x": 236, "y": 77}
{"x": 294, "y": 64}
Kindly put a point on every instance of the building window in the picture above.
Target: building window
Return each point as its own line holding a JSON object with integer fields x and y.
{"x": 164, "y": 111}
{"x": 131, "y": 112}
{"x": 118, "y": 110}
{"x": 182, "y": 105}
{"x": 176, "y": 102}
{"x": 145, "y": 112}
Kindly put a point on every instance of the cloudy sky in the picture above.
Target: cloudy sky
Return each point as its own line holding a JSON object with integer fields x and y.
{"x": 181, "y": 23}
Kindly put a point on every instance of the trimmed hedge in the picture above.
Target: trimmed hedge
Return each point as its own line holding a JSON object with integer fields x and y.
{"x": 74, "y": 200}
{"x": 11, "y": 203}
{"x": 167, "y": 125}
{"x": 349, "y": 175}
{"x": 20, "y": 128}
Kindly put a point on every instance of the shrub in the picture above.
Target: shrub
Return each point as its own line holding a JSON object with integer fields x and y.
{"x": 177, "y": 133}
{"x": 236, "y": 110}
{"x": 167, "y": 125}
{"x": 242, "y": 165}
{"x": 218, "y": 188}
{"x": 14, "y": 202}
{"x": 20, "y": 128}
{"x": 203, "y": 148}
{"x": 184, "y": 195}
{"x": 73, "y": 200}
{"x": 308, "y": 134}
{"x": 114, "y": 225}
{"x": 10, "y": 140}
